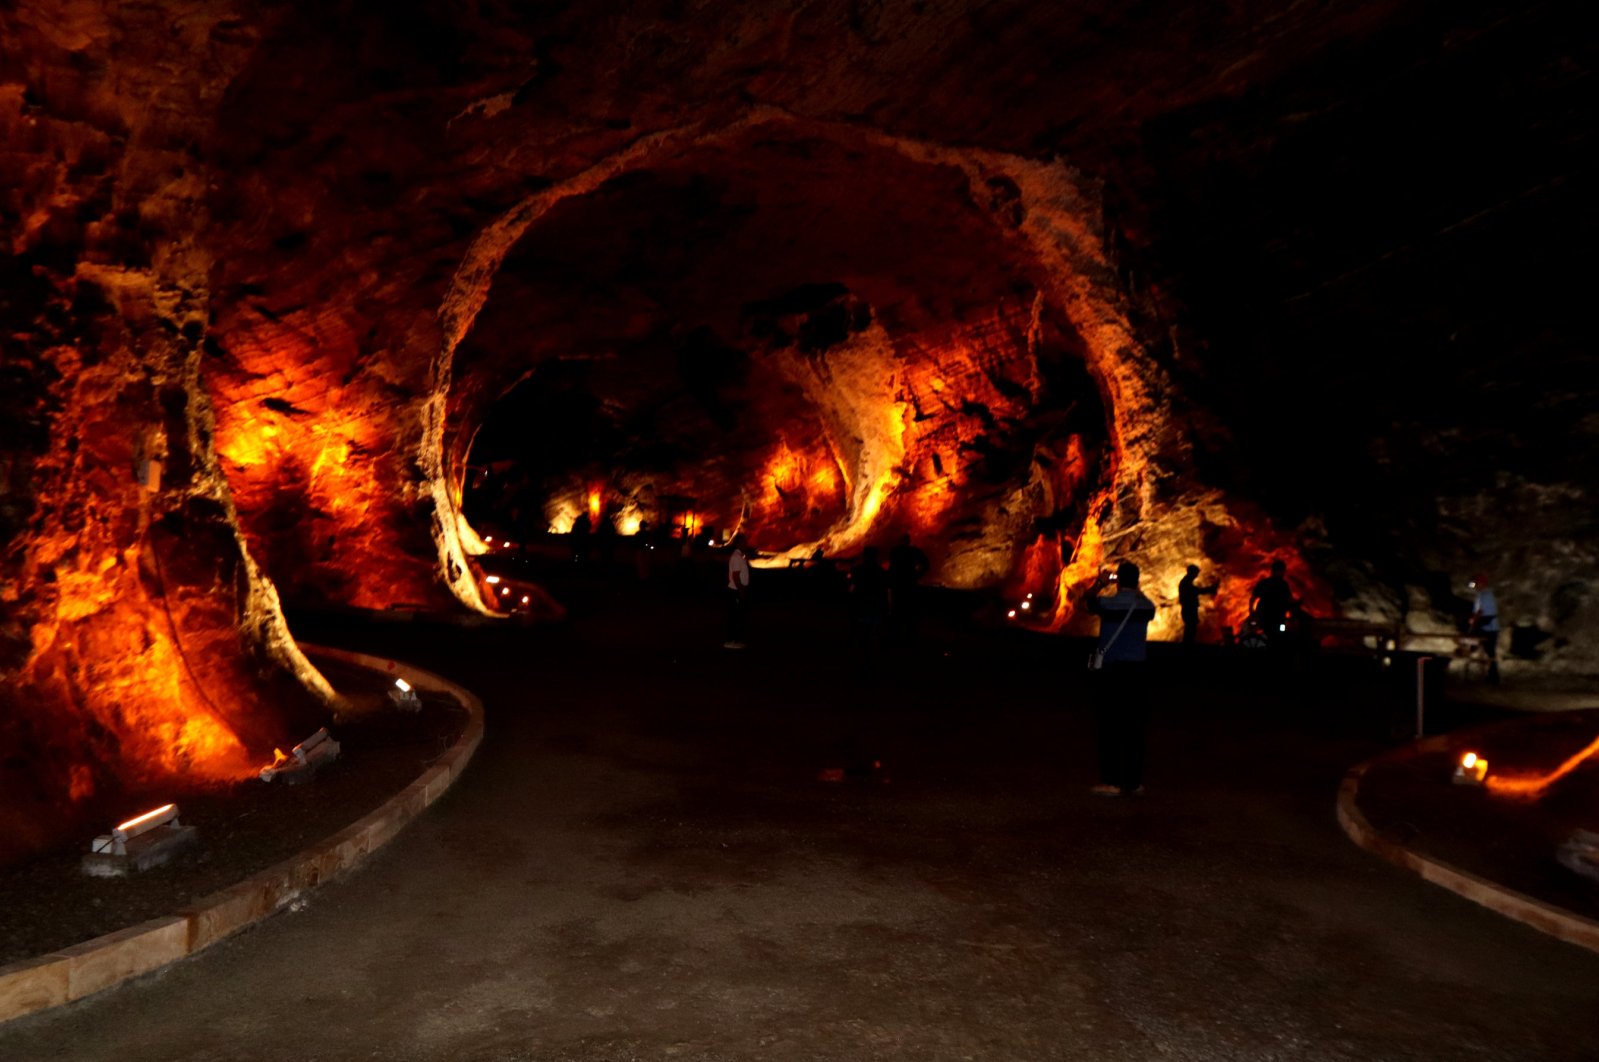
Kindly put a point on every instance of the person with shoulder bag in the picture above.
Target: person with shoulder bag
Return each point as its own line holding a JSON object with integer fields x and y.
{"x": 1121, "y": 715}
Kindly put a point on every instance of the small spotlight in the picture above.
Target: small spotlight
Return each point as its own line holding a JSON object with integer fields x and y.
{"x": 1011, "y": 614}
{"x": 493, "y": 580}
{"x": 1029, "y": 597}
{"x": 141, "y": 824}
{"x": 310, "y": 755}
{"x": 524, "y": 599}
{"x": 404, "y": 697}
{"x": 505, "y": 591}
{"x": 1471, "y": 770}
{"x": 318, "y": 748}
{"x": 1283, "y": 627}
{"x": 140, "y": 843}
{"x": 488, "y": 539}
{"x": 1026, "y": 605}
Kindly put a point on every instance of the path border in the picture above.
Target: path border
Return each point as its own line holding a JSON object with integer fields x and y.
{"x": 82, "y": 970}
{"x": 1528, "y": 910}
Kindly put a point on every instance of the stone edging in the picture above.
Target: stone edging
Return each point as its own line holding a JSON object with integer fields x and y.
{"x": 95, "y": 965}
{"x": 1544, "y": 917}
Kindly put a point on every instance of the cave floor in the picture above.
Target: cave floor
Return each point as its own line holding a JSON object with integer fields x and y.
{"x": 645, "y": 861}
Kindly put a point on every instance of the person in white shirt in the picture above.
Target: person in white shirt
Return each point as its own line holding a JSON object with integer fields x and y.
{"x": 1485, "y": 622}
{"x": 738, "y": 588}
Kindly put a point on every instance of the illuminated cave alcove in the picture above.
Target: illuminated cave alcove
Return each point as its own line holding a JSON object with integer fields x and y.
{"x": 812, "y": 341}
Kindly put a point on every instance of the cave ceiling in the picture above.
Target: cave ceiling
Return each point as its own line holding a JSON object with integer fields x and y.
{"x": 1042, "y": 283}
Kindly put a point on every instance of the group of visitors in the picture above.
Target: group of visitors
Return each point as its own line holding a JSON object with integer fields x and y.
{"x": 882, "y": 598}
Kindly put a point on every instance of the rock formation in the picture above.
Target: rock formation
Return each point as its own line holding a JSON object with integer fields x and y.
{"x": 1043, "y": 285}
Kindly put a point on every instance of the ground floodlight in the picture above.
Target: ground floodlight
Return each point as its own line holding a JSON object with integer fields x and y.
{"x": 1471, "y": 770}
{"x": 141, "y": 842}
{"x": 404, "y": 697}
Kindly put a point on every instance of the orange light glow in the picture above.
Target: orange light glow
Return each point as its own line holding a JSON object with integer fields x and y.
{"x": 1533, "y": 786}
{"x": 312, "y": 471}
{"x": 1086, "y": 560}
{"x": 596, "y": 503}
{"x": 146, "y": 817}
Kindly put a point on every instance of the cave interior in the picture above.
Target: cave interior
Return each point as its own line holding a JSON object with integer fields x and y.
{"x": 302, "y": 301}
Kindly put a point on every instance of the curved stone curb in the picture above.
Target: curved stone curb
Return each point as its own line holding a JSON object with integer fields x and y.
{"x": 1544, "y": 917}
{"x": 82, "y": 970}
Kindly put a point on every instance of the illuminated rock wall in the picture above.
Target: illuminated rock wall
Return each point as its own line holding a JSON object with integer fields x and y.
{"x": 139, "y": 639}
{"x": 307, "y": 219}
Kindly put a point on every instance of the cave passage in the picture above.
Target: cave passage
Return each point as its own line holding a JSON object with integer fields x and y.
{"x": 811, "y": 342}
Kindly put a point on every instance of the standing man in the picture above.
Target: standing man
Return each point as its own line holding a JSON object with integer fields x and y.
{"x": 1188, "y": 594}
{"x": 1485, "y": 623}
{"x": 1122, "y": 712}
{"x": 1271, "y": 604}
{"x": 738, "y": 588}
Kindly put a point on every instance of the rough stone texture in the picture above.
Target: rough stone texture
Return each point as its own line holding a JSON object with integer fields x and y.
{"x": 139, "y": 638}
{"x": 1304, "y": 254}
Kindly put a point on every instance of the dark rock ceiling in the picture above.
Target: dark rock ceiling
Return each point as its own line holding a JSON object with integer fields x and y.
{"x": 1323, "y": 263}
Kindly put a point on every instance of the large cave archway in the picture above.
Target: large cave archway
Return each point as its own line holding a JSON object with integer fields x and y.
{"x": 809, "y": 337}
{"x": 879, "y": 274}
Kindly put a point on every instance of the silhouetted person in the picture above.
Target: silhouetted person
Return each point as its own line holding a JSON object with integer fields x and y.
{"x": 1188, "y": 594}
{"x": 1272, "y": 604}
{"x": 738, "y": 589}
{"x": 906, "y": 566}
{"x": 685, "y": 561}
{"x": 581, "y": 527}
{"x": 868, "y": 605}
{"x": 605, "y": 540}
{"x": 1484, "y": 622}
{"x": 1121, "y": 713}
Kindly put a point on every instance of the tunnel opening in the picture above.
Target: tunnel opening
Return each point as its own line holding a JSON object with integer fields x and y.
{"x": 819, "y": 343}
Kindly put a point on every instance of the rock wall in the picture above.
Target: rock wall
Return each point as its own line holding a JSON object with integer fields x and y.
{"x": 1097, "y": 265}
{"x": 139, "y": 638}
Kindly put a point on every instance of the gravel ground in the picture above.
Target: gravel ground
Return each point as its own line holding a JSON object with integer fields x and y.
{"x": 48, "y": 903}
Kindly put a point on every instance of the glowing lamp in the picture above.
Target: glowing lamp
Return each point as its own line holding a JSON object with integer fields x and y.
{"x": 493, "y": 580}
{"x": 140, "y": 843}
{"x": 1011, "y": 614}
{"x": 306, "y": 758}
{"x": 124, "y": 832}
{"x": 1471, "y": 770}
{"x": 524, "y": 599}
{"x": 404, "y": 697}
{"x": 1026, "y": 605}
{"x": 489, "y": 539}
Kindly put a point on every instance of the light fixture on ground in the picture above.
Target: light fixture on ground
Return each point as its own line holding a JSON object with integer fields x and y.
{"x": 142, "y": 842}
{"x": 404, "y": 697}
{"x": 1471, "y": 770}
{"x": 304, "y": 760}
